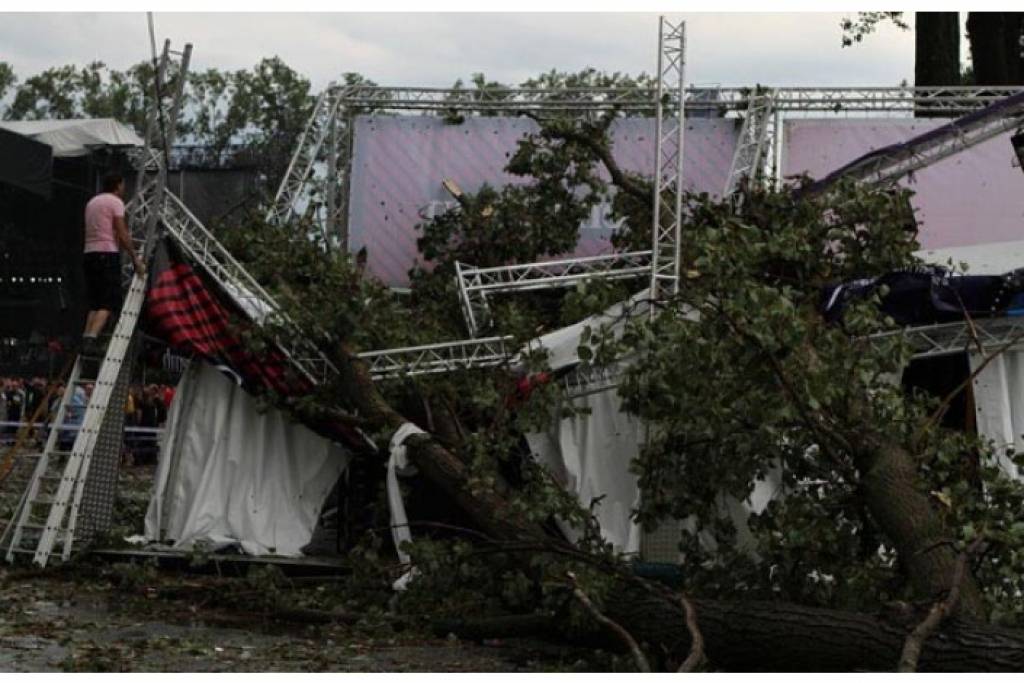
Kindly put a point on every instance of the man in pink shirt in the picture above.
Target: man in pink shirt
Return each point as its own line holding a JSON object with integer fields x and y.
{"x": 105, "y": 230}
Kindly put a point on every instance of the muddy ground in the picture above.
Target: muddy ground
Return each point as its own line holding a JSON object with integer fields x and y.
{"x": 97, "y": 615}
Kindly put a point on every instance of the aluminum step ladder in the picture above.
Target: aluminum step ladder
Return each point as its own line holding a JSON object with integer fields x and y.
{"x": 48, "y": 512}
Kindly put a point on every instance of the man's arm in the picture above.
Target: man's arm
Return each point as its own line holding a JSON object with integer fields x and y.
{"x": 124, "y": 239}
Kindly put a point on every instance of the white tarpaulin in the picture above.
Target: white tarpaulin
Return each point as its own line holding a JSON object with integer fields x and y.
{"x": 231, "y": 473}
{"x": 981, "y": 259}
{"x": 76, "y": 137}
{"x": 591, "y": 453}
{"x": 999, "y": 401}
{"x": 590, "y": 456}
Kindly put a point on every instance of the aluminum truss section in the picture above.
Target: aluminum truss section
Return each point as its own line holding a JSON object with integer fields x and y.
{"x": 950, "y": 100}
{"x": 668, "y": 160}
{"x": 476, "y": 284}
{"x": 315, "y": 184}
{"x": 929, "y": 341}
{"x": 890, "y": 164}
{"x": 937, "y": 100}
{"x": 438, "y": 358}
{"x": 204, "y": 249}
{"x": 748, "y": 162}
{"x": 591, "y": 379}
{"x": 258, "y": 305}
{"x": 307, "y": 153}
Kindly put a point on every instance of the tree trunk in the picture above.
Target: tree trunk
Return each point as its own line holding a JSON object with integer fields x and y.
{"x": 1013, "y": 37}
{"x": 754, "y": 636}
{"x": 912, "y": 524}
{"x": 767, "y": 636}
{"x": 489, "y": 510}
{"x": 937, "y": 48}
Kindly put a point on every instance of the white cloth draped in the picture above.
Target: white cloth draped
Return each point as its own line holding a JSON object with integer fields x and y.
{"x": 230, "y": 472}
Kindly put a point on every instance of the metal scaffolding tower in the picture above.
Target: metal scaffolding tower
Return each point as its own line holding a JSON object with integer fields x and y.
{"x": 668, "y": 160}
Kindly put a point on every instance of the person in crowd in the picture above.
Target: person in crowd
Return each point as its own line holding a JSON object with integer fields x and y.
{"x": 168, "y": 396}
{"x": 131, "y": 420}
{"x": 14, "y": 399}
{"x": 149, "y": 418}
{"x": 75, "y": 414}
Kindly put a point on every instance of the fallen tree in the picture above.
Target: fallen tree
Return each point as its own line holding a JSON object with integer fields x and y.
{"x": 880, "y": 504}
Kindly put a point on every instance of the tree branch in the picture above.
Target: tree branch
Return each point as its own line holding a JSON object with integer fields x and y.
{"x": 948, "y": 400}
{"x": 601, "y": 151}
{"x": 623, "y": 634}
{"x": 696, "y": 656}
{"x": 936, "y": 615}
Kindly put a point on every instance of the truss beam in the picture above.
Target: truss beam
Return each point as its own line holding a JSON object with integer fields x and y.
{"x": 438, "y": 358}
{"x": 930, "y": 341}
{"x": 937, "y": 99}
{"x": 892, "y": 163}
{"x": 748, "y": 162}
{"x": 476, "y": 284}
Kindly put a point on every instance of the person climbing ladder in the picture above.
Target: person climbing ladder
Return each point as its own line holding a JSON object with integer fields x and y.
{"x": 106, "y": 233}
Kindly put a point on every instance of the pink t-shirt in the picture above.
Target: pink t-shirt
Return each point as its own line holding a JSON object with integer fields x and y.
{"x": 99, "y": 222}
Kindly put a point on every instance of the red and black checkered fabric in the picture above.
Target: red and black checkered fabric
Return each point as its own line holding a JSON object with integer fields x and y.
{"x": 195, "y": 319}
{"x": 186, "y": 314}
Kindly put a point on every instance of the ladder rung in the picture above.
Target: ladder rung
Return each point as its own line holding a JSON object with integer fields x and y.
{"x": 43, "y": 500}
{"x": 22, "y": 551}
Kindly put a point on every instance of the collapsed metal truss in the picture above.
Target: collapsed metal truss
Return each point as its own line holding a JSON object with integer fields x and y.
{"x": 438, "y": 358}
{"x": 755, "y": 138}
{"x": 987, "y": 334}
{"x": 316, "y": 184}
{"x": 313, "y": 184}
{"x": 891, "y": 164}
{"x": 476, "y": 284}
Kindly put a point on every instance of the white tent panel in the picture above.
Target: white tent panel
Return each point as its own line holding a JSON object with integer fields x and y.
{"x": 999, "y": 402}
{"x": 590, "y": 456}
{"x": 76, "y": 137}
{"x": 230, "y": 472}
{"x": 996, "y": 258}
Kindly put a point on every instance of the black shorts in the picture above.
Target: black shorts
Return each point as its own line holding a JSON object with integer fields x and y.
{"x": 103, "y": 280}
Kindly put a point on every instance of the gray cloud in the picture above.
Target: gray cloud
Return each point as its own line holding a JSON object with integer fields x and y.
{"x": 434, "y": 49}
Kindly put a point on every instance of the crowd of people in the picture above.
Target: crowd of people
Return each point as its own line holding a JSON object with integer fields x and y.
{"x": 37, "y": 400}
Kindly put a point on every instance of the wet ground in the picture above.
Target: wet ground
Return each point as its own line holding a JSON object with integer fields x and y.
{"x": 99, "y": 615}
{"x": 80, "y": 618}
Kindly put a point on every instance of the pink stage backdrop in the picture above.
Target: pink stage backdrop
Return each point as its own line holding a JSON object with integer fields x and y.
{"x": 399, "y": 162}
{"x": 975, "y": 197}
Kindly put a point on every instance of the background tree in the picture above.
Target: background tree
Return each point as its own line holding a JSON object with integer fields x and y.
{"x": 997, "y": 54}
{"x": 7, "y": 81}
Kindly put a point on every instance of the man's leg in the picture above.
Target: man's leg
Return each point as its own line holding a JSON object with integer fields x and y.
{"x": 95, "y": 321}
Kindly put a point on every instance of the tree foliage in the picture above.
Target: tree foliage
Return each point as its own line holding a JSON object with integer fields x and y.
{"x": 738, "y": 376}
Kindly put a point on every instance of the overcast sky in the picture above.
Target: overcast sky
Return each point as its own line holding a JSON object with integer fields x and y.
{"x": 434, "y": 49}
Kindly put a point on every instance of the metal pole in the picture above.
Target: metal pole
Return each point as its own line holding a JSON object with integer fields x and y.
{"x": 331, "y": 181}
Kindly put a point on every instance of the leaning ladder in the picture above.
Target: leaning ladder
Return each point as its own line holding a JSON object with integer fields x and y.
{"x": 58, "y": 483}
